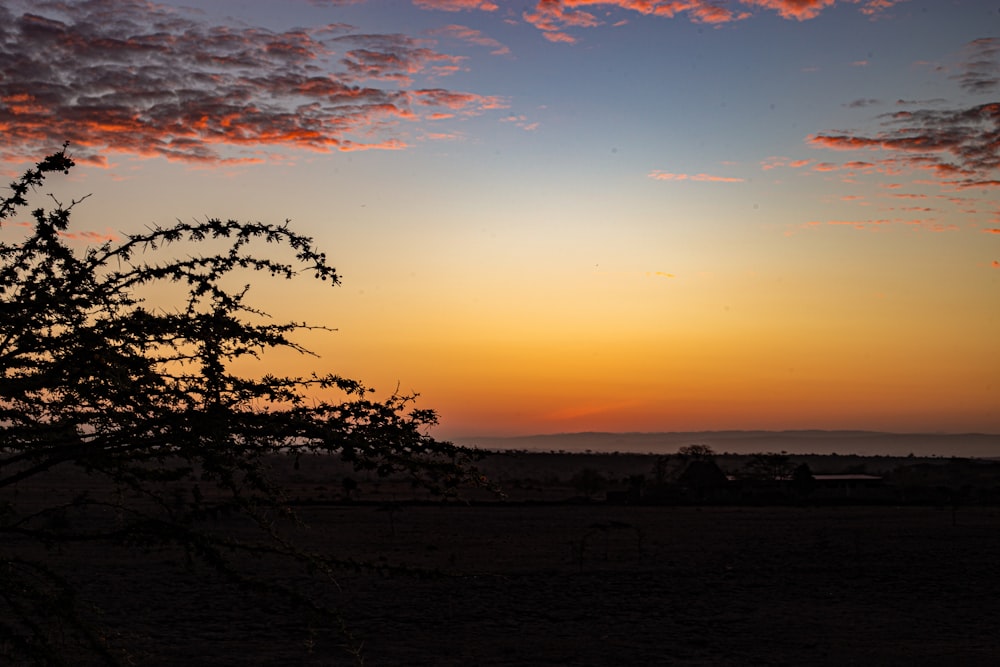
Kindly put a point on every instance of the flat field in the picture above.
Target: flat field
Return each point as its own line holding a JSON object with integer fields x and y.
{"x": 584, "y": 584}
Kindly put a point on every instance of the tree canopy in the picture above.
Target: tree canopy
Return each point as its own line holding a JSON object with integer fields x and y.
{"x": 145, "y": 400}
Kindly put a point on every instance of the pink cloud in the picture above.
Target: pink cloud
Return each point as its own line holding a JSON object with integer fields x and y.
{"x": 664, "y": 176}
{"x": 456, "y": 5}
{"x": 775, "y": 162}
{"x": 800, "y": 10}
{"x": 471, "y": 36}
{"x": 91, "y": 236}
{"x": 168, "y": 84}
{"x": 926, "y": 224}
{"x": 957, "y": 146}
{"x": 522, "y": 122}
{"x": 555, "y": 17}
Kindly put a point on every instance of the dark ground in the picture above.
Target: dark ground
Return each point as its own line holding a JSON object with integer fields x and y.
{"x": 593, "y": 585}
{"x": 521, "y": 583}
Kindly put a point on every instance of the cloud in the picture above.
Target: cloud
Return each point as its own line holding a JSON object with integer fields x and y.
{"x": 979, "y": 71}
{"x": 551, "y": 16}
{"x": 555, "y": 17}
{"x": 928, "y": 224}
{"x": 471, "y": 36}
{"x": 391, "y": 58}
{"x": 993, "y": 230}
{"x": 800, "y": 10}
{"x": 995, "y": 264}
{"x": 658, "y": 175}
{"x": 867, "y": 102}
{"x": 774, "y": 162}
{"x": 522, "y": 122}
{"x": 87, "y": 236}
{"x": 91, "y": 237}
{"x": 456, "y": 5}
{"x": 139, "y": 78}
{"x": 959, "y": 147}
{"x": 803, "y": 10}
{"x": 852, "y": 165}
{"x": 659, "y": 274}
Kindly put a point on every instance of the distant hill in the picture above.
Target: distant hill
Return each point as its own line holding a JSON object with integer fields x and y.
{"x": 866, "y": 443}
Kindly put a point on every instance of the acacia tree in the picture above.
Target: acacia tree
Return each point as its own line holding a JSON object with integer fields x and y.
{"x": 144, "y": 401}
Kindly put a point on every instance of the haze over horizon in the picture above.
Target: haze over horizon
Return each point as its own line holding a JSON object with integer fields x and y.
{"x": 564, "y": 216}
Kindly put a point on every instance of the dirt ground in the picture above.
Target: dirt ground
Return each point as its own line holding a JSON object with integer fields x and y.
{"x": 592, "y": 584}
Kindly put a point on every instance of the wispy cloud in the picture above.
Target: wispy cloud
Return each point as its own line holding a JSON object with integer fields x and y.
{"x": 456, "y": 5}
{"x": 876, "y": 224}
{"x": 979, "y": 70}
{"x": 555, "y": 17}
{"x": 522, "y": 122}
{"x": 777, "y": 161}
{"x": 91, "y": 237}
{"x": 471, "y": 36}
{"x": 658, "y": 175}
{"x": 135, "y": 77}
{"x": 954, "y": 148}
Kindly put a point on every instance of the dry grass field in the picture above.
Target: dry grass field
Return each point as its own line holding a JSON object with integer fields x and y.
{"x": 515, "y": 583}
{"x": 590, "y": 585}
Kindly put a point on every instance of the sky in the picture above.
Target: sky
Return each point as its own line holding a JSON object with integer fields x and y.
{"x": 556, "y": 216}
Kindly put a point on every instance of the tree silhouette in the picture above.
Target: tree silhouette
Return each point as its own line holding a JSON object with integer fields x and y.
{"x": 769, "y": 466}
{"x": 144, "y": 402}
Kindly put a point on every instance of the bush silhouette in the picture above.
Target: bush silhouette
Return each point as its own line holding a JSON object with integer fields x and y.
{"x": 144, "y": 401}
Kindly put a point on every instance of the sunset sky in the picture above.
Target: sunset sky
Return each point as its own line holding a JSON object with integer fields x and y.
{"x": 568, "y": 215}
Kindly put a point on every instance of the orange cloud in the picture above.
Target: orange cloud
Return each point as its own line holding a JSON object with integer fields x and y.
{"x": 993, "y": 230}
{"x": 183, "y": 89}
{"x": 995, "y": 264}
{"x": 658, "y": 175}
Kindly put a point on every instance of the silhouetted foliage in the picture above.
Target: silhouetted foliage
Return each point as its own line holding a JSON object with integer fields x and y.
{"x": 588, "y": 481}
{"x": 702, "y": 476}
{"x": 769, "y": 466}
{"x": 144, "y": 400}
{"x": 803, "y": 482}
{"x": 696, "y": 453}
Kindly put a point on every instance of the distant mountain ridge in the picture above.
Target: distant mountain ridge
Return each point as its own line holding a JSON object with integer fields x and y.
{"x": 867, "y": 443}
